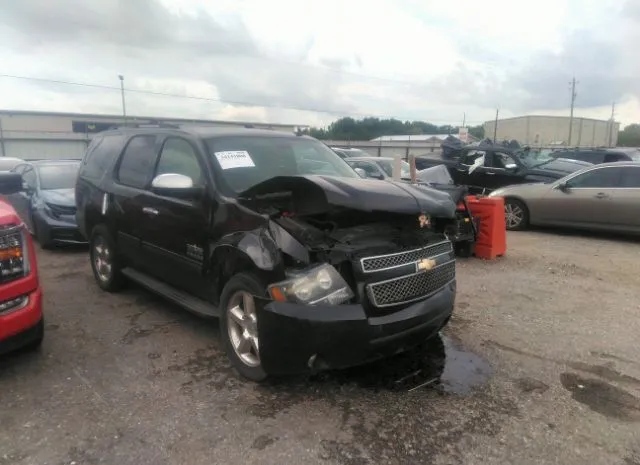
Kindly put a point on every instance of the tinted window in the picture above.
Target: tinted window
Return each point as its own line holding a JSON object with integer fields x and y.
{"x": 62, "y": 176}
{"x": 500, "y": 160}
{"x": 29, "y": 177}
{"x": 614, "y": 157}
{"x": 469, "y": 158}
{"x": 137, "y": 163}
{"x": 603, "y": 177}
{"x": 100, "y": 153}
{"x": 631, "y": 177}
{"x": 179, "y": 157}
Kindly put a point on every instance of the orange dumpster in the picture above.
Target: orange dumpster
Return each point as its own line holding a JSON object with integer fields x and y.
{"x": 492, "y": 234}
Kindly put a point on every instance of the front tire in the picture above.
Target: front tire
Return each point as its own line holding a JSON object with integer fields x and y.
{"x": 104, "y": 260}
{"x": 516, "y": 215}
{"x": 239, "y": 325}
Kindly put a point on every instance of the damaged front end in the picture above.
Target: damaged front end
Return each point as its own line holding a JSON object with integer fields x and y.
{"x": 377, "y": 274}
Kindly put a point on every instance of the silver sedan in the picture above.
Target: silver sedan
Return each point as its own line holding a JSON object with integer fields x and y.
{"x": 602, "y": 197}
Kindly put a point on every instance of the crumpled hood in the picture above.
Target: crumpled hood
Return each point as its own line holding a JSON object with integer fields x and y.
{"x": 62, "y": 197}
{"x": 315, "y": 194}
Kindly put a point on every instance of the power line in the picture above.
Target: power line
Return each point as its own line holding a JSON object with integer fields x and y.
{"x": 209, "y": 99}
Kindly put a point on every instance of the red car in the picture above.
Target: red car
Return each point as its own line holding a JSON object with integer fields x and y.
{"x": 21, "y": 320}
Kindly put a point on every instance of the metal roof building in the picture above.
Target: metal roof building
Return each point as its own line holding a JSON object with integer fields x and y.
{"x": 540, "y": 130}
{"x": 33, "y": 135}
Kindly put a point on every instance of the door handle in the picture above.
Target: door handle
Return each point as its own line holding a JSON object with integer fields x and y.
{"x": 490, "y": 173}
{"x": 601, "y": 195}
{"x": 150, "y": 211}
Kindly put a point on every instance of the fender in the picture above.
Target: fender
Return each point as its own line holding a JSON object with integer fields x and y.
{"x": 264, "y": 246}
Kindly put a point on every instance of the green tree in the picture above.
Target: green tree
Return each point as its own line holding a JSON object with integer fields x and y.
{"x": 477, "y": 131}
{"x": 370, "y": 128}
{"x": 629, "y": 136}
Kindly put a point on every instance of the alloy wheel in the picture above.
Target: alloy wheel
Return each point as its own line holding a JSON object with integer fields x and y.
{"x": 242, "y": 323}
{"x": 102, "y": 259}
{"x": 514, "y": 215}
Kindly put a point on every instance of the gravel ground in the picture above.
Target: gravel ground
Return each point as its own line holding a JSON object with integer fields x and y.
{"x": 542, "y": 366}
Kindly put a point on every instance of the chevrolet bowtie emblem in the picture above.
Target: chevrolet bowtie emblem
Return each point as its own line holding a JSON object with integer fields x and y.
{"x": 424, "y": 220}
{"x": 425, "y": 264}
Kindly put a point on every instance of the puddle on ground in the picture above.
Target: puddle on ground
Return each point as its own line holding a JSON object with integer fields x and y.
{"x": 437, "y": 364}
{"x": 602, "y": 397}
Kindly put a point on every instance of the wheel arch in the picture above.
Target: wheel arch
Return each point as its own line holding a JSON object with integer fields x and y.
{"x": 228, "y": 260}
{"x": 524, "y": 203}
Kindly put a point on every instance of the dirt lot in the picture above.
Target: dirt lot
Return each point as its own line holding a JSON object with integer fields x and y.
{"x": 542, "y": 366}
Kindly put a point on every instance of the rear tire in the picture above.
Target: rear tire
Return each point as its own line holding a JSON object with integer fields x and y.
{"x": 104, "y": 260}
{"x": 516, "y": 215}
{"x": 239, "y": 327}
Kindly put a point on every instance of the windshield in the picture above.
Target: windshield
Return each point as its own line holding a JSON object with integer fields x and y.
{"x": 387, "y": 167}
{"x": 534, "y": 157}
{"x": 247, "y": 161}
{"x": 62, "y": 176}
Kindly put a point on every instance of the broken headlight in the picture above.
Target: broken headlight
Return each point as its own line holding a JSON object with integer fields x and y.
{"x": 320, "y": 284}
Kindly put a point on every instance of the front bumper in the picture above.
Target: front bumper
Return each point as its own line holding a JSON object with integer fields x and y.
{"x": 63, "y": 230}
{"x": 20, "y": 327}
{"x": 298, "y": 338}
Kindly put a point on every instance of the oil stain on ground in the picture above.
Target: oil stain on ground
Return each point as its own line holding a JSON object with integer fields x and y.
{"x": 393, "y": 408}
{"x": 602, "y": 397}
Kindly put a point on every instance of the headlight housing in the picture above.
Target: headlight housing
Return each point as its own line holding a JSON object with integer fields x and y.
{"x": 14, "y": 253}
{"x": 319, "y": 284}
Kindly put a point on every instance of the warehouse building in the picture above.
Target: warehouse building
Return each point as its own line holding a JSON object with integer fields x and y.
{"x": 547, "y": 131}
{"x": 33, "y": 135}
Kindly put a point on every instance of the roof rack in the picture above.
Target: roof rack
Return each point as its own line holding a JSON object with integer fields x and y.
{"x": 148, "y": 124}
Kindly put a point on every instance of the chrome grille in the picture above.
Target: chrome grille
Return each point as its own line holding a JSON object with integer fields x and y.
{"x": 412, "y": 287}
{"x": 385, "y": 262}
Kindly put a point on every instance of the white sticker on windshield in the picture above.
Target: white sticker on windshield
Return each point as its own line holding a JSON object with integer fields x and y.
{"x": 234, "y": 159}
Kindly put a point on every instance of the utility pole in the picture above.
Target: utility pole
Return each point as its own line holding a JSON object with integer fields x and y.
{"x": 611, "y": 123}
{"x": 573, "y": 101}
{"x": 124, "y": 108}
{"x": 495, "y": 127}
{"x": 464, "y": 119}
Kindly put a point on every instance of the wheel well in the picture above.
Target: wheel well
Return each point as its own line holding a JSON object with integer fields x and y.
{"x": 524, "y": 204}
{"x": 229, "y": 261}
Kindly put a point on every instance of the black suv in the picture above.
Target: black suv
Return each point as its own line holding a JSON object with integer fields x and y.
{"x": 307, "y": 265}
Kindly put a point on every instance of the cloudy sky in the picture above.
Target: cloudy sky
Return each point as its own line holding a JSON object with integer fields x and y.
{"x": 311, "y": 61}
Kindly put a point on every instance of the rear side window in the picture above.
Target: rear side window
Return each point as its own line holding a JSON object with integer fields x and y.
{"x": 100, "y": 154}
{"x": 138, "y": 161}
{"x": 631, "y": 177}
{"x": 599, "y": 178}
{"x": 614, "y": 157}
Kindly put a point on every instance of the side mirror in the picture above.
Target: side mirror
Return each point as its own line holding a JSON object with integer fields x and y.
{"x": 175, "y": 185}
{"x": 10, "y": 183}
{"x": 511, "y": 166}
{"x": 362, "y": 173}
{"x": 564, "y": 186}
